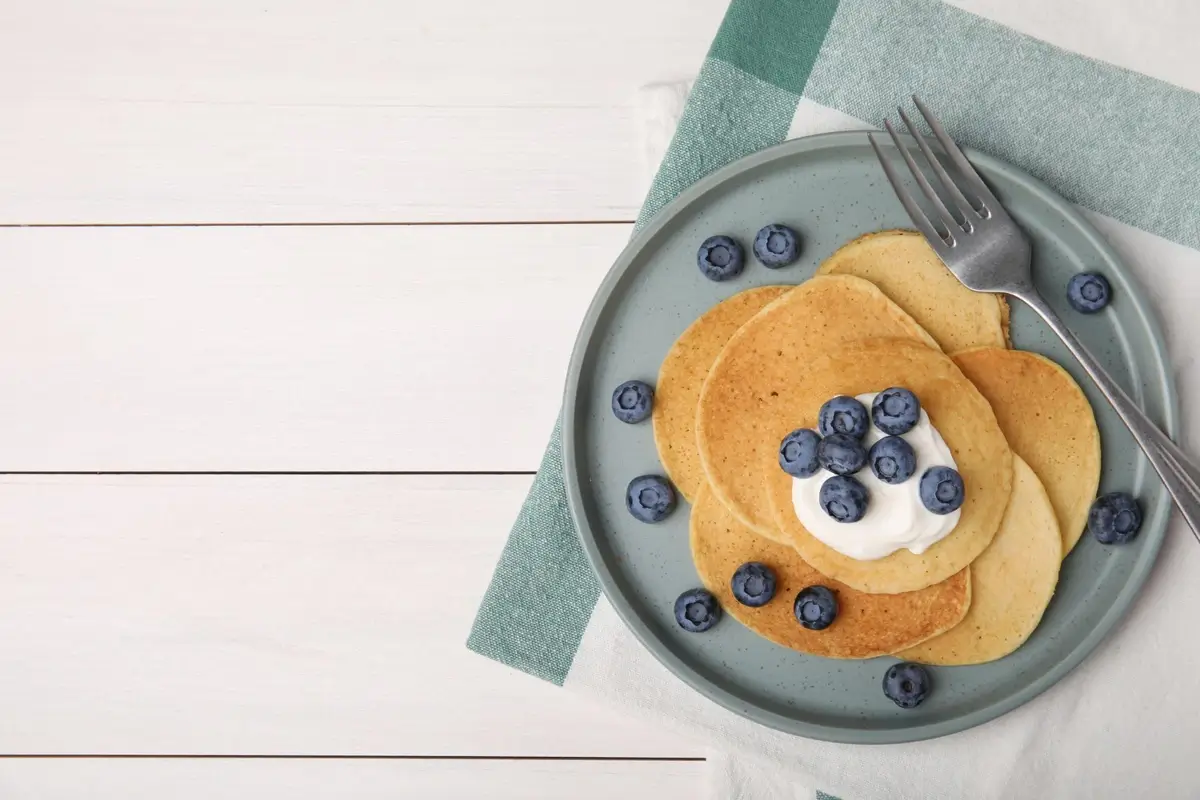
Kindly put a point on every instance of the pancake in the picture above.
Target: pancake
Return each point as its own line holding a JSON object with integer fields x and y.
{"x": 1011, "y": 583}
{"x": 959, "y": 413}
{"x": 1048, "y": 422}
{"x": 682, "y": 374}
{"x": 867, "y": 625}
{"x": 905, "y": 268}
{"x": 747, "y": 403}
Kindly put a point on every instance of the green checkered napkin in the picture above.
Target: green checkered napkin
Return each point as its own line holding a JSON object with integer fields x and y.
{"x": 1111, "y": 140}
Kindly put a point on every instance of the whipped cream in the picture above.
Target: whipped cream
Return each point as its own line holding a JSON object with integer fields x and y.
{"x": 896, "y": 518}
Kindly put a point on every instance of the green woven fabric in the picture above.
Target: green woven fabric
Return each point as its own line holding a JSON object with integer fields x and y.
{"x": 1104, "y": 137}
{"x": 729, "y": 114}
{"x": 543, "y": 590}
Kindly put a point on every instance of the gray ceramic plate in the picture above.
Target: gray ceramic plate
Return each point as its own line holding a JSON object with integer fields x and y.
{"x": 830, "y": 188}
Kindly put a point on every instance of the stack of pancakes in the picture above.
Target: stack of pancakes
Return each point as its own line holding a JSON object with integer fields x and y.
{"x": 882, "y": 311}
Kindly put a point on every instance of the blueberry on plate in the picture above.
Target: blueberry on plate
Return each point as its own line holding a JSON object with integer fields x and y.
{"x": 650, "y": 498}
{"x": 892, "y": 459}
{"x": 843, "y": 414}
{"x": 776, "y": 246}
{"x": 1088, "y": 292}
{"x": 841, "y": 454}
{"x": 720, "y": 258}
{"x": 1114, "y": 518}
{"x": 753, "y": 584}
{"x": 632, "y": 401}
{"x": 844, "y": 498}
{"x": 798, "y": 453}
{"x": 697, "y": 610}
{"x": 941, "y": 490}
{"x": 906, "y": 684}
{"x": 895, "y": 411}
{"x": 816, "y": 608}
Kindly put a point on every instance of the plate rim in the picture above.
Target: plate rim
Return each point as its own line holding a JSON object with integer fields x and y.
{"x": 1150, "y": 545}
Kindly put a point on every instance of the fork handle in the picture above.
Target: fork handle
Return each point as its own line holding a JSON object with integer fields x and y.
{"x": 1178, "y": 471}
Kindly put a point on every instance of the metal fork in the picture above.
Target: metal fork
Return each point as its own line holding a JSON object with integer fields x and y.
{"x": 986, "y": 250}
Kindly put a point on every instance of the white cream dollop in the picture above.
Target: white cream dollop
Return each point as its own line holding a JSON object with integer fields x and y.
{"x": 896, "y": 518}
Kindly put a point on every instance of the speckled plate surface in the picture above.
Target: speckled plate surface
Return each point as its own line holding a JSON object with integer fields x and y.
{"x": 830, "y": 189}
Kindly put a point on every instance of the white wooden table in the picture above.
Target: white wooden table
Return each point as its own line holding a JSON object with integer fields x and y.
{"x": 286, "y": 295}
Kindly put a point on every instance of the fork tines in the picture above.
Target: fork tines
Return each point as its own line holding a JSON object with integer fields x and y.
{"x": 953, "y": 225}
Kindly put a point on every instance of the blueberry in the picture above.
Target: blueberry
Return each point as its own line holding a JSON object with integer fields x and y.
{"x": 697, "y": 610}
{"x": 753, "y": 584}
{"x": 632, "y": 401}
{"x": 650, "y": 498}
{"x": 1114, "y": 518}
{"x": 892, "y": 460}
{"x": 816, "y": 608}
{"x": 841, "y": 454}
{"x": 941, "y": 490}
{"x": 845, "y": 415}
{"x": 776, "y": 246}
{"x": 720, "y": 258}
{"x": 798, "y": 453}
{"x": 895, "y": 411}
{"x": 844, "y": 498}
{"x": 1088, "y": 292}
{"x": 906, "y": 684}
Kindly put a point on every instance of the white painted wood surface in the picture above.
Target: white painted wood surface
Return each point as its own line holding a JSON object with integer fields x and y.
{"x": 204, "y": 779}
{"x": 277, "y": 615}
{"x": 283, "y": 614}
{"x": 290, "y": 348}
{"x": 323, "y": 111}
